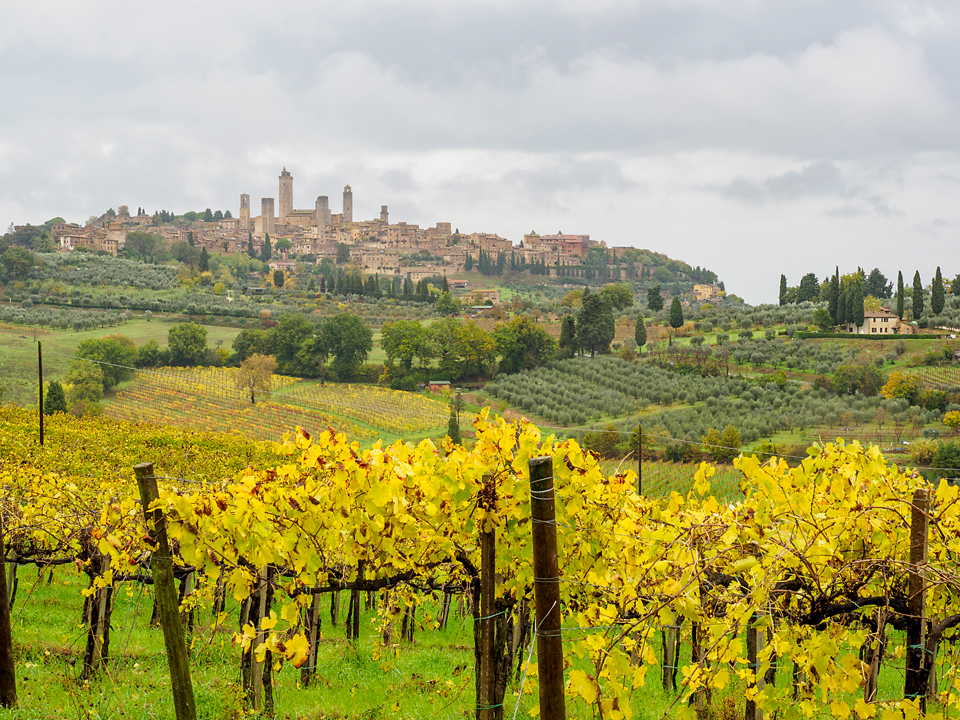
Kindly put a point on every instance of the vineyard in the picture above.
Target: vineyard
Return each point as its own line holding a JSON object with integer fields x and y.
{"x": 394, "y": 411}
{"x": 208, "y": 399}
{"x": 939, "y": 378}
{"x": 793, "y": 599}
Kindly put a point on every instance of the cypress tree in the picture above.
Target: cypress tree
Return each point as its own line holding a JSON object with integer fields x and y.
{"x": 453, "y": 428}
{"x": 833, "y": 299}
{"x": 676, "y": 313}
{"x": 917, "y": 295}
{"x": 783, "y": 290}
{"x": 640, "y": 332}
{"x": 937, "y": 296}
{"x": 856, "y": 305}
{"x": 56, "y": 400}
{"x": 266, "y": 252}
{"x": 900, "y": 295}
{"x": 842, "y": 308}
{"x": 568, "y": 337}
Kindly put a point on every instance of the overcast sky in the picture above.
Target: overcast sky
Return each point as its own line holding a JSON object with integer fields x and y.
{"x": 746, "y": 136}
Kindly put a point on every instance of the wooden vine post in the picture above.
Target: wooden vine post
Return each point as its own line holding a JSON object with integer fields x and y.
{"x": 8, "y": 671}
{"x": 755, "y": 638}
{"x": 546, "y": 586}
{"x": 914, "y": 682}
{"x": 488, "y": 569}
{"x": 166, "y": 596}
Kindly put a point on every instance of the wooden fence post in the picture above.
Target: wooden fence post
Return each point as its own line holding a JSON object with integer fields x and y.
{"x": 166, "y": 597}
{"x": 546, "y": 585}
{"x": 8, "y": 671}
{"x": 755, "y": 639}
{"x": 488, "y": 583}
{"x": 916, "y": 625}
{"x": 40, "y": 376}
{"x": 670, "y": 656}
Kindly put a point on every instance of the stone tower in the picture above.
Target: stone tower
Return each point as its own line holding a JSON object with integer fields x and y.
{"x": 266, "y": 213}
{"x": 347, "y": 204}
{"x": 323, "y": 215}
{"x": 244, "y": 212}
{"x": 384, "y": 215}
{"x": 286, "y": 195}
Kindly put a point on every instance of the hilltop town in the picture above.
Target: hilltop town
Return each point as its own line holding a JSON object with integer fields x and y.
{"x": 375, "y": 245}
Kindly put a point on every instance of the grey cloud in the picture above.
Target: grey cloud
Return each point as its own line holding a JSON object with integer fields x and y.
{"x": 571, "y": 175}
{"x": 816, "y": 179}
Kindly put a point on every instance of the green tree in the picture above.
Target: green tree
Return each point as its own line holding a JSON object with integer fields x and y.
{"x": 822, "y": 319}
{"x": 640, "y": 332}
{"x": 522, "y": 345}
{"x": 445, "y": 304}
{"x": 568, "y": 337}
{"x": 403, "y": 340}
{"x": 287, "y": 338}
{"x": 56, "y": 400}
{"x": 116, "y": 353}
{"x": 282, "y": 245}
{"x": 187, "y": 343}
{"x": 453, "y": 428}
{"x": 856, "y": 305}
{"x": 149, "y": 354}
{"x": 809, "y": 288}
{"x": 348, "y": 341}
{"x": 654, "y": 298}
{"x": 86, "y": 381}
{"x": 343, "y": 253}
{"x": 783, "y": 290}
{"x": 955, "y": 285}
{"x": 876, "y": 284}
{"x": 900, "y": 295}
{"x": 18, "y": 262}
{"x": 204, "y": 264}
{"x": 620, "y": 295}
{"x": 842, "y": 306}
{"x": 278, "y": 278}
{"x": 917, "y": 295}
{"x": 833, "y": 300}
{"x": 595, "y": 325}
{"x": 251, "y": 341}
{"x": 251, "y": 250}
{"x": 475, "y": 348}
{"x": 937, "y": 295}
{"x": 146, "y": 246}
{"x": 266, "y": 252}
{"x": 676, "y": 314}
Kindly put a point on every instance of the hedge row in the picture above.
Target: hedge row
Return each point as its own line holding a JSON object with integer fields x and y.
{"x": 848, "y": 336}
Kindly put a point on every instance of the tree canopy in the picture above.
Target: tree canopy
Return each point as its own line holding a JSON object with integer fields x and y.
{"x": 187, "y": 343}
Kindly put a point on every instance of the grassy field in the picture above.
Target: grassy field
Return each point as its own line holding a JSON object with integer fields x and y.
{"x": 18, "y": 351}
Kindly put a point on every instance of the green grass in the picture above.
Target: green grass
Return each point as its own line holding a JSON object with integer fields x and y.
{"x": 432, "y": 679}
{"x": 18, "y": 351}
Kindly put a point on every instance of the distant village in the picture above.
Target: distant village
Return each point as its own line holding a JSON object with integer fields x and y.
{"x": 375, "y": 245}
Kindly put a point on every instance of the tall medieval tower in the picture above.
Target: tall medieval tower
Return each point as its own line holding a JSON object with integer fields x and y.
{"x": 347, "y": 204}
{"x": 384, "y": 214}
{"x": 323, "y": 215}
{"x": 286, "y": 195}
{"x": 266, "y": 214}
{"x": 244, "y": 212}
